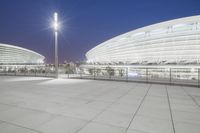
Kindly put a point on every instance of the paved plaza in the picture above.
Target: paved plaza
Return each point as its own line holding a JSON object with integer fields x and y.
{"x": 45, "y": 105}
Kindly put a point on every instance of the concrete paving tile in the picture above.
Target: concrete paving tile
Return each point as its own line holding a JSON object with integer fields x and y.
{"x": 197, "y": 99}
{"x": 8, "y": 128}
{"x": 1, "y": 121}
{"x": 154, "y": 112}
{"x": 107, "y": 98}
{"x": 192, "y": 90}
{"x": 191, "y": 117}
{"x": 182, "y": 101}
{"x": 137, "y": 93}
{"x": 135, "y": 131}
{"x": 4, "y": 107}
{"x": 81, "y": 113}
{"x": 114, "y": 118}
{"x": 151, "y": 125}
{"x": 129, "y": 101}
{"x": 155, "y": 104}
{"x": 157, "y": 92}
{"x": 123, "y": 108}
{"x": 14, "y": 113}
{"x": 156, "y": 99}
{"x": 77, "y": 101}
{"x": 101, "y": 128}
{"x": 43, "y": 106}
{"x": 11, "y": 100}
{"x": 62, "y": 124}
{"x": 187, "y": 128}
{"x": 185, "y": 108}
{"x": 179, "y": 95}
{"x": 33, "y": 119}
{"x": 132, "y": 97}
{"x": 100, "y": 105}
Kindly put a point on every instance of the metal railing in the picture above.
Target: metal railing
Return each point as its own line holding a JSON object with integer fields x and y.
{"x": 28, "y": 71}
{"x": 179, "y": 76}
{"x": 171, "y": 75}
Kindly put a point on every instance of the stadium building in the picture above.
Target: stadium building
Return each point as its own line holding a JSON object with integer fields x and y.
{"x": 168, "y": 50}
{"x": 14, "y": 56}
{"x": 171, "y": 42}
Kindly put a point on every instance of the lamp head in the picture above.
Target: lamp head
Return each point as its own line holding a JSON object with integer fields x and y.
{"x": 56, "y": 25}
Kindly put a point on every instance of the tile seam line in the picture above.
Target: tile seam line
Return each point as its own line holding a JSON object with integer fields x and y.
{"x": 193, "y": 99}
{"x": 170, "y": 110}
{"x": 55, "y": 114}
{"x": 138, "y": 108}
{"x": 20, "y": 126}
{"x": 105, "y": 109}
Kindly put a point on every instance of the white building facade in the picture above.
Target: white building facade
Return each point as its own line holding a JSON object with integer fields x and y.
{"x": 170, "y": 42}
{"x": 17, "y": 56}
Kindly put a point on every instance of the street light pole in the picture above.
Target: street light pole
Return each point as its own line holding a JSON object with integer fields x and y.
{"x": 56, "y": 43}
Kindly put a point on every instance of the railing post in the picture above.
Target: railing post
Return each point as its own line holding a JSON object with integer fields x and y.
{"x": 45, "y": 71}
{"x": 147, "y": 75}
{"x": 6, "y": 73}
{"x": 24, "y": 71}
{"x": 170, "y": 76}
{"x": 35, "y": 71}
{"x": 81, "y": 73}
{"x": 127, "y": 74}
{"x": 198, "y": 77}
{"x": 109, "y": 73}
{"x": 15, "y": 70}
{"x": 94, "y": 72}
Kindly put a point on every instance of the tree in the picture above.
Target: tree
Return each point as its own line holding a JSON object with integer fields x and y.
{"x": 91, "y": 71}
{"x": 110, "y": 71}
{"x": 121, "y": 72}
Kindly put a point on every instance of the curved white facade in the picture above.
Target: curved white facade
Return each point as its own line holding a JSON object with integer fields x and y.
{"x": 171, "y": 42}
{"x": 13, "y": 55}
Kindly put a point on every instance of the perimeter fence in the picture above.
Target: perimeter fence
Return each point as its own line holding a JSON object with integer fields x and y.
{"x": 179, "y": 76}
{"x": 175, "y": 75}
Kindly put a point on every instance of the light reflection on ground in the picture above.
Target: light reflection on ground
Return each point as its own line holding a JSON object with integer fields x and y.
{"x": 61, "y": 81}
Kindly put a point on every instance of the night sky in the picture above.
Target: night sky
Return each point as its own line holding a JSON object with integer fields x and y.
{"x": 85, "y": 23}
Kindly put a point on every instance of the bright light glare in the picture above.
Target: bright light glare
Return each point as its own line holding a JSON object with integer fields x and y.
{"x": 56, "y": 17}
{"x": 56, "y": 25}
{"x": 133, "y": 74}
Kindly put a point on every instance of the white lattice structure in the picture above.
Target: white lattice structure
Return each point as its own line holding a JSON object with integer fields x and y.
{"x": 171, "y": 42}
{"x": 14, "y": 55}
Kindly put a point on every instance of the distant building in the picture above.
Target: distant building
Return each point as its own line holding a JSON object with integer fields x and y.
{"x": 18, "y": 57}
{"x": 174, "y": 42}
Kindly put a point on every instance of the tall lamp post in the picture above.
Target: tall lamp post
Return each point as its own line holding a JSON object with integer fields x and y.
{"x": 56, "y": 43}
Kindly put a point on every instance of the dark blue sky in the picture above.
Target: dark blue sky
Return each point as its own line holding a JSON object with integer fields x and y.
{"x": 85, "y": 23}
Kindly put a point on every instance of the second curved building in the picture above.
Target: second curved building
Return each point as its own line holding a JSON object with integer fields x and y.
{"x": 171, "y": 42}
{"x": 14, "y": 55}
